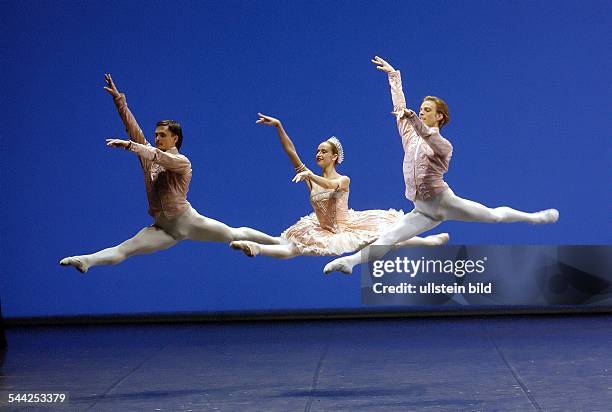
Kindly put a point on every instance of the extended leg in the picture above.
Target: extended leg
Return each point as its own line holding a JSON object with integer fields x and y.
{"x": 210, "y": 230}
{"x": 409, "y": 226}
{"x": 455, "y": 208}
{"x": 148, "y": 240}
{"x": 284, "y": 251}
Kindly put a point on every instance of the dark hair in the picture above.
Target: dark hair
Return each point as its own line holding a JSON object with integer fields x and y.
{"x": 441, "y": 107}
{"x": 175, "y": 128}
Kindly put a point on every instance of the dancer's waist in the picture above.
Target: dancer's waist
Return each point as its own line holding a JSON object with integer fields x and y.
{"x": 425, "y": 190}
{"x": 169, "y": 210}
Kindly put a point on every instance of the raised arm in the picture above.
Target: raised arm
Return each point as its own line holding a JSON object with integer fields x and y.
{"x": 170, "y": 161}
{"x": 432, "y": 137}
{"x": 397, "y": 94}
{"x": 131, "y": 125}
{"x": 284, "y": 139}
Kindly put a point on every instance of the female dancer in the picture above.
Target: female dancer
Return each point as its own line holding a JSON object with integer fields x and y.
{"x": 333, "y": 229}
{"x": 167, "y": 175}
{"x": 427, "y": 156}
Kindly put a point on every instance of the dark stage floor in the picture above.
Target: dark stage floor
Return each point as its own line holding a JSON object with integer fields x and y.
{"x": 549, "y": 363}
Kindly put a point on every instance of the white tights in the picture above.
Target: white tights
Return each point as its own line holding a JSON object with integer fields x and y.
{"x": 287, "y": 250}
{"x": 165, "y": 233}
{"x": 428, "y": 214}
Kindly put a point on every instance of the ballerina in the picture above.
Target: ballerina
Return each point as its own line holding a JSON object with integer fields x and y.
{"x": 426, "y": 159}
{"x": 167, "y": 175}
{"x": 333, "y": 228}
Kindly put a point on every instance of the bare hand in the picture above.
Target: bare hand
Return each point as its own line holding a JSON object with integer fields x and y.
{"x": 110, "y": 86}
{"x": 270, "y": 121}
{"x": 381, "y": 64}
{"x": 408, "y": 113}
{"x": 118, "y": 143}
{"x": 404, "y": 113}
{"x": 302, "y": 176}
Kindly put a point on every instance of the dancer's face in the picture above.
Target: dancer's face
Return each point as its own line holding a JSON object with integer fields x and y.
{"x": 325, "y": 156}
{"x": 164, "y": 139}
{"x": 429, "y": 114}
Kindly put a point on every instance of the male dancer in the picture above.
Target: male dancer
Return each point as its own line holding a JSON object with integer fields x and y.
{"x": 426, "y": 159}
{"x": 167, "y": 175}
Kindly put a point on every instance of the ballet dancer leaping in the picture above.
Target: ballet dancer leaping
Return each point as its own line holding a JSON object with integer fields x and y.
{"x": 426, "y": 159}
{"x": 333, "y": 228}
{"x": 167, "y": 175}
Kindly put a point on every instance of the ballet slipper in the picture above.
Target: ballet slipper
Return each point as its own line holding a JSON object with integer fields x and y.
{"x": 546, "y": 216}
{"x": 338, "y": 265}
{"x": 75, "y": 261}
{"x": 438, "y": 239}
{"x": 249, "y": 248}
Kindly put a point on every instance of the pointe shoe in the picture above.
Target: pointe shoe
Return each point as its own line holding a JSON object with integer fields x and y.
{"x": 552, "y": 214}
{"x": 76, "y": 262}
{"x": 337, "y": 266}
{"x": 251, "y": 249}
{"x": 547, "y": 216}
{"x": 438, "y": 240}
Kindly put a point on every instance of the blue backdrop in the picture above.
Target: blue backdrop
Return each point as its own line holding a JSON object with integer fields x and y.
{"x": 528, "y": 85}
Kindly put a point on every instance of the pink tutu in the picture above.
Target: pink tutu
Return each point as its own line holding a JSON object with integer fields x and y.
{"x": 334, "y": 229}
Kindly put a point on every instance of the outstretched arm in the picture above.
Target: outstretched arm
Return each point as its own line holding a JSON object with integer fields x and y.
{"x": 284, "y": 139}
{"x": 432, "y": 137}
{"x": 397, "y": 94}
{"x": 131, "y": 125}
{"x": 342, "y": 182}
{"x": 174, "y": 162}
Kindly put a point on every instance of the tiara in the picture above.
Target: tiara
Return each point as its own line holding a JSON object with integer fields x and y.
{"x": 336, "y": 142}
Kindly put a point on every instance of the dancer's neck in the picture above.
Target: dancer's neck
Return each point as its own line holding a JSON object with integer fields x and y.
{"x": 330, "y": 172}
